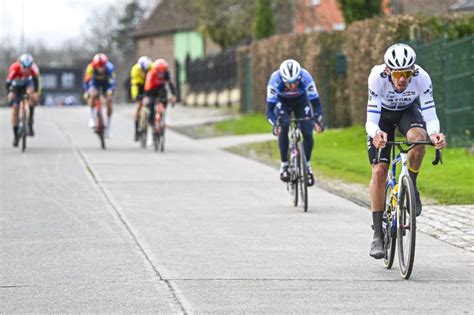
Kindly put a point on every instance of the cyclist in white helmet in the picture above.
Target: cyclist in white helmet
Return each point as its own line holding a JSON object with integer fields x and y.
{"x": 292, "y": 89}
{"x": 137, "y": 82}
{"x": 400, "y": 94}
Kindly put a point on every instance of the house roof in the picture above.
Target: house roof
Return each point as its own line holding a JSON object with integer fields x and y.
{"x": 168, "y": 16}
{"x": 463, "y": 5}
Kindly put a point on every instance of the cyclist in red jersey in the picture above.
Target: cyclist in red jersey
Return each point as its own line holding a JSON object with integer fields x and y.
{"x": 23, "y": 77}
{"x": 155, "y": 86}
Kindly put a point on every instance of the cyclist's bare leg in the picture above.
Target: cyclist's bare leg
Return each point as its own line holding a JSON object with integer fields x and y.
{"x": 377, "y": 192}
{"x": 92, "y": 94}
{"x": 415, "y": 156}
{"x": 377, "y": 186}
{"x": 33, "y": 101}
{"x": 108, "y": 102}
{"x": 138, "y": 108}
{"x": 11, "y": 99}
{"x": 160, "y": 109}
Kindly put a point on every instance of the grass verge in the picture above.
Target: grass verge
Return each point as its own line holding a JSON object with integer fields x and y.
{"x": 342, "y": 154}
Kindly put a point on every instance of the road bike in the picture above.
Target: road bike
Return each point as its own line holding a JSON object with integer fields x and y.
{"x": 23, "y": 114}
{"x": 158, "y": 125}
{"x": 297, "y": 186}
{"x": 99, "y": 127}
{"x": 399, "y": 214}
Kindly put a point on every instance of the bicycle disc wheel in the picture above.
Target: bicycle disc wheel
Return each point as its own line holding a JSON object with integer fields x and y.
{"x": 303, "y": 178}
{"x": 406, "y": 232}
{"x": 388, "y": 233}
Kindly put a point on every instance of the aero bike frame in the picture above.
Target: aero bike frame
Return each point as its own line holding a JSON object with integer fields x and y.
{"x": 100, "y": 124}
{"x": 398, "y": 194}
{"x": 298, "y": 184}
{"x": 23, "y": 113}
{"x": 402, "y": 158}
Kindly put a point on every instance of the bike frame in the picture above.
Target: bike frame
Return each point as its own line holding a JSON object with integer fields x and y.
{"x": 402, "y": 159}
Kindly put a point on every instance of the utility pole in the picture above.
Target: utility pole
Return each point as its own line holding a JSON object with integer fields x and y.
{"x": 394, "y": 7}
{"x": 22, "y": 35}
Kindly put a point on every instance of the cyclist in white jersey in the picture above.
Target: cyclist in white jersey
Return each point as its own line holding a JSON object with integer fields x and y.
{"x": 400, "y": 94}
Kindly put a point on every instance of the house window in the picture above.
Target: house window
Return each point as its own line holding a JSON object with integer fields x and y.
{"x": 67, "y": 80}
{"x": 338, "y": 26}
{"x": 315, "y": 2}
{"x": 49, "y": 81}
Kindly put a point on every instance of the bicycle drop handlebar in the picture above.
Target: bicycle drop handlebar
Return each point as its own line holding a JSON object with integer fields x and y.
{"x": 412, "y": 144}
{"x": 297, "y": 120}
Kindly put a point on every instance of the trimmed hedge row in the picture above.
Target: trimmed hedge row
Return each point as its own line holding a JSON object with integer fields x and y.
{"x": 363, "y": 43}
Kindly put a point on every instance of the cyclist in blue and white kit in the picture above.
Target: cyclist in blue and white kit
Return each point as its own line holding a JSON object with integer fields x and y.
{"x": 292, "y": 89}
{"x": 400, "y": 94}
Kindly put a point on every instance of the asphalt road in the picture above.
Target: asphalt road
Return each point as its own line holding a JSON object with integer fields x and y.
{"x": 193, "y": 230}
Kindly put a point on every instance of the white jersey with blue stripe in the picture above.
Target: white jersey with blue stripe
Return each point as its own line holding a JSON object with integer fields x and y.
{"x": 277, "y": 89}
{"x": 382, "y": 94}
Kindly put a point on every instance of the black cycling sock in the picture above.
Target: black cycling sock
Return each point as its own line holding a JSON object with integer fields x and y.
{"x": 377, "y": 219}
{"x": 413, "y": 176}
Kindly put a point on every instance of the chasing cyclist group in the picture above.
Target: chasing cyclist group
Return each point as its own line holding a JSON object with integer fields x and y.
{"x": 400, "y": 95}
{"x": 148, "y": 78}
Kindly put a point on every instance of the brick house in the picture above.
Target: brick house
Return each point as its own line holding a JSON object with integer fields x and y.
{"x": 317, "y": 15}
{"x": 428, "y": 7}
{"x": 169, "y": 33}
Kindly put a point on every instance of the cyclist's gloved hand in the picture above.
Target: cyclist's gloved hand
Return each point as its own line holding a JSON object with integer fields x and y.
{"x": 110, "y": 92}
{"x": 173, "y": 100}
{"x": 318, "y": 123}
{"x": 276, "y": 130}
{"x": 438, "y": 139}
{"x": 380, "y": 139}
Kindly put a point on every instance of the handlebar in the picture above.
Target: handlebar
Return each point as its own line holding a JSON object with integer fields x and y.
{"x": 412, "y": 144}
{"x": 297, "y": 120}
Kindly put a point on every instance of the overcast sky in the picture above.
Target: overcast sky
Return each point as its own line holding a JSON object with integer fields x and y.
{"x": 51, "y": 21}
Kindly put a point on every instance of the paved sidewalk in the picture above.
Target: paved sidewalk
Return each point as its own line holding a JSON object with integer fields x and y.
{"x": 451, "y": 224}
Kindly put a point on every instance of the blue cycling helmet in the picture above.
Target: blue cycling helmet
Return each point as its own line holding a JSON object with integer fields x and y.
{"x": 26, "y": 60}
{"x": 145, "y": 63}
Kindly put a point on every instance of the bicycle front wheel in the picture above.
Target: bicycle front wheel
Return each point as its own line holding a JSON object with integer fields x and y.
{"x": 100, "y": 128}
{"x": 162, "y": 141}
{"x": 303, "y": 178}
{"x": 406, "y": 231}
{"x": 292, "y": 185}
{"x": 387, "y": 223}
{"x": 23, "y": 132}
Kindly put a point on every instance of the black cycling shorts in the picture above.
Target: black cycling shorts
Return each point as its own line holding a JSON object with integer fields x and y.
{"x": 158, "y": 95}
{"x": 389, "y": 120}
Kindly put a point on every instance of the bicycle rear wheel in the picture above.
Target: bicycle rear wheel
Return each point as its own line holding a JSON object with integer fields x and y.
{"x": 303, "y": 177}
{"x": 389, "y": 236}
{"x": 406, "y": 231}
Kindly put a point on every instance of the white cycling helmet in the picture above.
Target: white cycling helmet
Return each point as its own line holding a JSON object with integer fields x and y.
{"x": 290, "y": 70}
{"x": 144, "y": 62}
{"x": 399, "y": 56}
{"x": 26, "y": 60}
